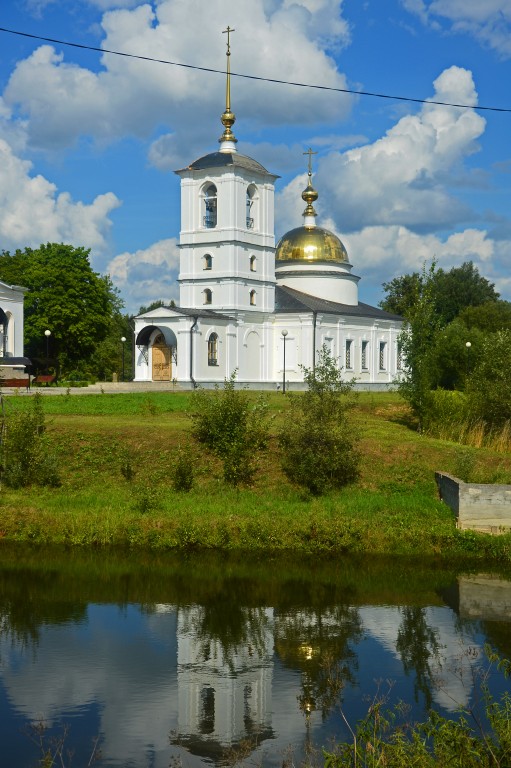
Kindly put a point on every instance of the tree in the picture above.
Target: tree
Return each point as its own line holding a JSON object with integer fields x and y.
{"x": 459, "y": 288}
{"x": 451, "y": 292}
{"x": 317, "y": 441}
{"x": 416, "y": 343}
{"x": 155, "y": 305}
{"x": 401, "y": 294}
{"x": 489, "y": 317}
{"x": 65, "y": 296}
{"x": 233, "y": 426}
{"x": 489, "y": 385}
{"x": 451, "y": 360}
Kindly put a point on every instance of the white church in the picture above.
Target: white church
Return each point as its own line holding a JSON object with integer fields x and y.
{"x": 250, "y": 307}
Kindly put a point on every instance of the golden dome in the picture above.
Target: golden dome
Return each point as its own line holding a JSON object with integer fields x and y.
{"x": 311, "y": 244}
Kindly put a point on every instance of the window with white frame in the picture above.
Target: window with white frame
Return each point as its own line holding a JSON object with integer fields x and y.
{"x": 208, "y": 296}
{"x": 213, "y": 349}
{"x": 348, "y": 362}
{"x": 364, "y": 364}
{"x": 252, "y": 298}
{"x": 399, "y": 361}
{"x": 382, "y": 356}
{"x": 207, "y": 261}
{"x": 253, "y": 264}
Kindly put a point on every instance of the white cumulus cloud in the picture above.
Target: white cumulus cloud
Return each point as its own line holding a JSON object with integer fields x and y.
{"x": 32, "y": 211}
{"x": 62, "y": 100}
{"x": 148, "y": 274}
{"x": 402, "y": 178}
{"x": 488, "y": 21}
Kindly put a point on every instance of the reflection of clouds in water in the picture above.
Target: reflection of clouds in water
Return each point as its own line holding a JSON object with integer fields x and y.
{"x": 454, "y": 666}
{"x": 129, "y": 671}
{"x": 126, "y": 662}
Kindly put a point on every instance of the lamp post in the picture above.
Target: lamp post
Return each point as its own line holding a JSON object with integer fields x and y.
{"x": 468, "y": 345}
{"x": 123, "y": 339}
{"x": 284, "y": 334}
{"x": 47, "y": 333}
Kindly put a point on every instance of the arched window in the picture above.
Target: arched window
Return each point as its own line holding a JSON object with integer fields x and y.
{"x": 210, "y": 207}
{"x": 252, "y": 298}
{"x": 208, "y": 296}
{"x": 213, "y": 349}
{"x": 250, "y": 204}
{"x": 207, "y": 261}
{"x": 253, "y": 264}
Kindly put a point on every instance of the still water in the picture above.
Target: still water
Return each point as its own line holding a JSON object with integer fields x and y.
{"x": 205, "y": 659}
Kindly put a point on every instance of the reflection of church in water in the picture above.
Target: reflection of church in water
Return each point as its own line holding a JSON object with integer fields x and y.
{"x": 245, "y": 305}
{"x": 224, "y": 692}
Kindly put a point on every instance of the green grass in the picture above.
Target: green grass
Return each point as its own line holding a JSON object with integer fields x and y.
{"x": 392, "y": 509}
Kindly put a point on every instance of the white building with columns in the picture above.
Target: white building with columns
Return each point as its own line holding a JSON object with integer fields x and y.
{"x": 250, "y": 307}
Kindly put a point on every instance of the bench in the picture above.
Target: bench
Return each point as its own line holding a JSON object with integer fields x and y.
{"x": 43, "y": 378}
{"x": 15, "y": 383}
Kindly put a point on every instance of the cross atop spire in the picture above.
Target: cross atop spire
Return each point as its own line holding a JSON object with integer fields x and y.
{"x": 227, "y": 139}
{"x": 310, "y": 152}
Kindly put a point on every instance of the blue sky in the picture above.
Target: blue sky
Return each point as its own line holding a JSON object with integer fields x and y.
{"x": 89, "y": 141}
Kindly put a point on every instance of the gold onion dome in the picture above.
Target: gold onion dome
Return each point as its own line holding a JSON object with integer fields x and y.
{"x": 311, "y": 243}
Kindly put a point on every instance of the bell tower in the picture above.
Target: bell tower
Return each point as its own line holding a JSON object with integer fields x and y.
{"x": 227, "y": 238}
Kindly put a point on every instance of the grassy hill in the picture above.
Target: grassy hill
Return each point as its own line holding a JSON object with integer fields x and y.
{"x": 103, "y": 439}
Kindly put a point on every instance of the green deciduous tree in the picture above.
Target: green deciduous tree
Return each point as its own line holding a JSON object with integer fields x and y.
{"x": 232, "y": 425}
{"x": 64, "y": 296}
{"x": 451, "y": 292}
{"x": 451, "y": 360}
{"x": 489, "y": 384}
{"x": 318, "y": 440}
{"x": 416, "y": 343}
{"x": 489, "y": 317}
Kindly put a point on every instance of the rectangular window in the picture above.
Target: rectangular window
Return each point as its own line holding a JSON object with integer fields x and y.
{"x": 383, "y": 355}
{"x": 348, "y": 354}
{"x": 399, "y": 357}
{"x": 365, "y": 346}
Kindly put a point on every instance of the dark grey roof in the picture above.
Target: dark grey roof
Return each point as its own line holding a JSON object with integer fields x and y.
{"x": 224, "y": 159}
{"x": 191, "y": 313}
{"x": 290, "y": 300}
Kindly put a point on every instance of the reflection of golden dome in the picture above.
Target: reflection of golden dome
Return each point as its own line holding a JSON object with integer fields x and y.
{"x": 311, "y": 244}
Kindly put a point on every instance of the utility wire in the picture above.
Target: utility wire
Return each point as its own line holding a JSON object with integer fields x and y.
{"x": 254, "y": 77}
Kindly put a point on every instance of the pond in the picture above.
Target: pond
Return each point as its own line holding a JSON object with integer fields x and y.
{"x": 163, "y": 659}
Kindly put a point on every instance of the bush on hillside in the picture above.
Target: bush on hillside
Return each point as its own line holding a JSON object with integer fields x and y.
{"x": 318, "y": 440}
{"x": 26, "y": 454}
{"x": 232, "y": 425}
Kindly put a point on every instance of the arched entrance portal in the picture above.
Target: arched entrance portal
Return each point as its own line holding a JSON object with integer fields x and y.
{"x": 158, "y": 347}
{"x": 162, "y": 360}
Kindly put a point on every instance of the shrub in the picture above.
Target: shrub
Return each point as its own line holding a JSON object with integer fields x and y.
{"x": 183, "y": 471}
{"x": 233, "y": 426}
{"x": 318, "y": 440}
{"x": 27, "y": 456}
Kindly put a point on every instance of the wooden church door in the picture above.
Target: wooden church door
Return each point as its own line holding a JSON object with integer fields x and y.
{"x": 162, "y": 360}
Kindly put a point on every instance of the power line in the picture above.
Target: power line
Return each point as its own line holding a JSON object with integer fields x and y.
{"x": 254, "y": 77}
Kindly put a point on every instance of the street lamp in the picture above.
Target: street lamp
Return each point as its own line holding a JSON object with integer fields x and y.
{"x": 468, "y": 345}
{"x": 284, "y": 334}
{"x": 123, "y": 339}
{"x": 47, "y": 333}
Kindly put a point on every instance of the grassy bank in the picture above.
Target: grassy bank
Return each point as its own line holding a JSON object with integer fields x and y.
{"x": 393, "y": 508}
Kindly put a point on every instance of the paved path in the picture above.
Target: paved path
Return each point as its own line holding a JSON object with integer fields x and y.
{"x": 94, "y": 389}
